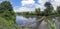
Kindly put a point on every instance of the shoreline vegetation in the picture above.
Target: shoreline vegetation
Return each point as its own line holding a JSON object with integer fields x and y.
{"x": 8, "y": 16}
{"x": 53, "y": 13}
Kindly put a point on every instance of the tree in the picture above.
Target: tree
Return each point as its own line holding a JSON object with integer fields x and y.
{"x": 48, "y": 9}
{"x": 58, "y": 9}
{"x": 37, "y": 10}
{"x": 7, "y": 11}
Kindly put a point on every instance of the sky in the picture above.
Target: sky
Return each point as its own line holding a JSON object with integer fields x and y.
{"x": 30, "y": 5}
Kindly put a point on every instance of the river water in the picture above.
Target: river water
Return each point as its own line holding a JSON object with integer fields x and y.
{"x": 32, "y": 22}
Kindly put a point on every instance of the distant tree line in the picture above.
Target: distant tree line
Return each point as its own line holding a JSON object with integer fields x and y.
{"x": 47, "y": 12}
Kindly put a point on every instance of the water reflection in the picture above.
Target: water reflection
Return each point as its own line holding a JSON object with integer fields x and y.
{"x": 21, "y": 20}
{"x": 57, "y": 22}
{"x": 44, "y": 25}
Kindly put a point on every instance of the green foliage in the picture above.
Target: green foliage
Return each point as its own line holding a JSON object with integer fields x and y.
{"x": 6, "y": 11}
{"x": 4, "y": 24}
{"x": 48, "y": 9}
{"x": 58, "y": 9}
{"x": 37, "y": 10}
{"x": 50, "y": 23}
{"x": 48, "y": 12}
{"x": 7, "y": 16}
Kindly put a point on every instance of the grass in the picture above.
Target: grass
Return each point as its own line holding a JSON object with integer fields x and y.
{"x": 51, "y": 24}
{"x": 4, "y": 24}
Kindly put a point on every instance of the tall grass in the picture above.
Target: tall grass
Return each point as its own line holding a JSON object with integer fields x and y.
{"x": 4, "y": 24}
{"x": 51, "y": 24}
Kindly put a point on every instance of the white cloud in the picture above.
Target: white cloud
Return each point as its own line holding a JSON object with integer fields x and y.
{"x": 42, "y": 2}
{"x": 39, "y": 6}
{"x": 25, "y": 5}
{"x": 23, "y": 9}
{"x": 56, "y": 3}
{"x": 27, "y": 2}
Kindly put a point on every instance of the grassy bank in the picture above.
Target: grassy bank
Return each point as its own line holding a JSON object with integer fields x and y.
{"x": 4, "y": 24}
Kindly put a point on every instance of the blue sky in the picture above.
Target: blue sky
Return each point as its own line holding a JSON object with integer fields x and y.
{"x": 30, "y": 5}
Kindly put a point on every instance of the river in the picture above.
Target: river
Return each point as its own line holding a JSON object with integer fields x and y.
{"x": 32, "y": 22}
